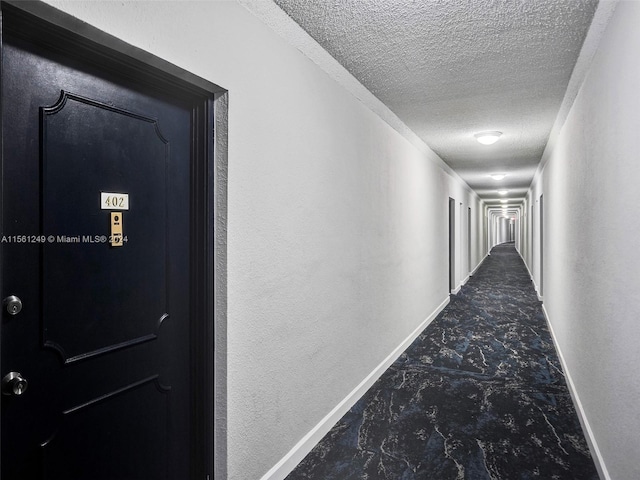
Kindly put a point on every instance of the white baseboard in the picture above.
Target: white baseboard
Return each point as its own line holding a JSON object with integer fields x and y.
{"x": 535, "y": 286}
{"x": 473, "y": 272}
{"x": 286, "y": 465}
{"x": 456, "y": 290}
{"x": 591, "y": 440}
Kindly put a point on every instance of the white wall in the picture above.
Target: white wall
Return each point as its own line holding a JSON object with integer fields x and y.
{"x": 337, "y": 227}
{"x": 498, "y": 227}
{"x": 503, "y": 230}
{"x": 592, "y": 236}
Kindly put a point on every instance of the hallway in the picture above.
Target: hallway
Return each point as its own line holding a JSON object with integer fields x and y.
{"x": 480, "y": 394}
{"x": 353, "y": 189}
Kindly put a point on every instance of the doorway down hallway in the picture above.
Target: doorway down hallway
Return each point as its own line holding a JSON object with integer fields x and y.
{"x": 480, "y": 394}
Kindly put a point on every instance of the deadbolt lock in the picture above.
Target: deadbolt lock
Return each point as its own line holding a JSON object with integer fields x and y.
{"x": 13, "y": 304}
{"x": 13, "y": 384}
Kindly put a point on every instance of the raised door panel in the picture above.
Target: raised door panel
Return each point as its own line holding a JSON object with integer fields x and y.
{"x": 109, "y": 297}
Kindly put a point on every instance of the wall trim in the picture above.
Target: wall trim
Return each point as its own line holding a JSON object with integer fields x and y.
{"x": 533, "y": 280}
{"x": 582, "y": 416}
{"x": 287, "y": 463}
{"x": 530, "y": 274}
{"x": 475, "y": 270}
{"x": 220, "y": 330}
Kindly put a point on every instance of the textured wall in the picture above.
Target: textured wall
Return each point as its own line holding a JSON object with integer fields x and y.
{"x": 337, "y": 239}
{"x": 592, "y": 234}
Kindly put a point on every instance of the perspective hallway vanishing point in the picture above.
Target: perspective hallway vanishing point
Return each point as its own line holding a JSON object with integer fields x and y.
{"x": 480, "y": 394}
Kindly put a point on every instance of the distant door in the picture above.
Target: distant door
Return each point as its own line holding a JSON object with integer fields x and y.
{"x": 460, "y": 225}
{"x": 533, "y": 237}
{"x": 469, "y": 240}
{"x": 541, "y": 229}
{"x": 452, "y": 245}
{"x": 98, "y": 244}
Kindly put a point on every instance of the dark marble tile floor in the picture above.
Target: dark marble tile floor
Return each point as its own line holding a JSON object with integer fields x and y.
{"x": 480, "y": 394}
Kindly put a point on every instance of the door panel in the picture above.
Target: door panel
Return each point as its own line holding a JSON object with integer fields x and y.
{"x": 90, "y": 147}
{"x": 134, "y": 412}
{"x": 106, "y": 334}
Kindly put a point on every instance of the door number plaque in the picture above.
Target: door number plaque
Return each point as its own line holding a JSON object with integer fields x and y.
{"x": 117, "y": 203}
{"x": 114, "y": 201}
{"x": 116, "y": 229}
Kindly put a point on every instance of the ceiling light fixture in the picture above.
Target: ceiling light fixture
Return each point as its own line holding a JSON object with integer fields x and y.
{"x": 502, "y": 192}
{"x": 498, "y": 176}
{"x": 488, "y": 138}
{"x": 504, "y": 201}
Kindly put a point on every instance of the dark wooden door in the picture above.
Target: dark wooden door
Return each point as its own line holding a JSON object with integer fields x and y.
{"x": 106, "y": 337}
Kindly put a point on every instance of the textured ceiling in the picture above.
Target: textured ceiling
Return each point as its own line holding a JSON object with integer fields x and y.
{"x": 451, "y": 68}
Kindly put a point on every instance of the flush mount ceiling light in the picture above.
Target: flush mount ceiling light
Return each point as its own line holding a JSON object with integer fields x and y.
{"x": 502, "y": 192}
{"x": 504, "y": 201}
{"x": 488, "y": 138}
{"x": 498, "y": 176}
